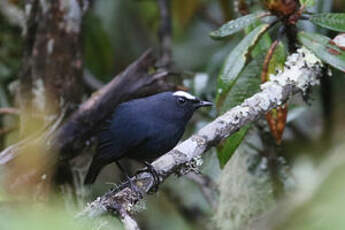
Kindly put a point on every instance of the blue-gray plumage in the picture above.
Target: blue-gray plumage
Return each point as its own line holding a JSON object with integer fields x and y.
{"x": 144, "y": 129}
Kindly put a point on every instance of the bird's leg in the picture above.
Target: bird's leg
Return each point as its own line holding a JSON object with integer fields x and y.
{"x": 155, "y": 175}
{"x": 130, "y": 181}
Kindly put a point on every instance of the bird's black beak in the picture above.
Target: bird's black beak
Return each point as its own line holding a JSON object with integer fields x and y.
{"x": 203, "y": 104}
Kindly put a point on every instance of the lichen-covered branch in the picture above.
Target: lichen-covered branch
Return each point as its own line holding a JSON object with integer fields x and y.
{"x": 301, "y": 72}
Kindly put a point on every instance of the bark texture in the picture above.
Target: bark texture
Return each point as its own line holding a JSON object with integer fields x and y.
{"x": 52, "y": 63}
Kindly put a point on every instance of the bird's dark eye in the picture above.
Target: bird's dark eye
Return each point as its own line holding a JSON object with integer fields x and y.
{"x": 181, "y": 100}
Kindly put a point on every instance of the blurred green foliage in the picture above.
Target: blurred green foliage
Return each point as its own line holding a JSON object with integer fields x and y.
{"x": 115, "y": 33}
{"x": 98, "y": 51}
{"x": 326, "y": 207}
{"x": 17, "y": 216}
{"x": 10, "y": 50}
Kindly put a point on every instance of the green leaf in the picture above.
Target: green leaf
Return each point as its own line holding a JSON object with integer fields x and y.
{"x": 237, "y": 25}
{"x": 307, "y": 3}
{"x": 230, "y": 145}
{"x": 262, "y": 46}
{"x": 247, "y": 85}
{"x": 324, "y": 49}
{"x": 236, "y": 61}
{"x": 330, "y": 21}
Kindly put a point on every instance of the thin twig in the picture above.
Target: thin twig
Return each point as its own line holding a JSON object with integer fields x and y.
{"x": 91, "y": 81}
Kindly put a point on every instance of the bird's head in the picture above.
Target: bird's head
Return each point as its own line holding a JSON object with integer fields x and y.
{"x": 188, "y": 101}
{"x": 181, "y": 105}
{"x": 176, "y": 106}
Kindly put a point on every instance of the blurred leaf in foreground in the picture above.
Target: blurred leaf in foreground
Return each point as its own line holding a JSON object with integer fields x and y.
{"x": 15, "y": 217}
{"x": 318, "y": 201}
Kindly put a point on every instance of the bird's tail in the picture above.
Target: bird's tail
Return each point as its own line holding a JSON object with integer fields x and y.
{"x": 93, "y": 172}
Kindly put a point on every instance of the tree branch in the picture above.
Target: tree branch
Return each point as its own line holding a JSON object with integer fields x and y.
{"x": 302, "y": 71}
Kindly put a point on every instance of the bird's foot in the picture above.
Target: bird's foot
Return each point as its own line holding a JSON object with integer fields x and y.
{"x": 155, "y": 175}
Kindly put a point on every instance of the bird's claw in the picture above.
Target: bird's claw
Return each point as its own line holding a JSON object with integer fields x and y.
{"x": 156, "y": 181}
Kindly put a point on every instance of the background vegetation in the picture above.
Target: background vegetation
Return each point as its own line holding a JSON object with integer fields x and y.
{"x": 262, "y": 179}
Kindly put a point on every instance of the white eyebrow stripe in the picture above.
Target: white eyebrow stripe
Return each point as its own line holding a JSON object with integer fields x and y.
{"x": 184, "y": 94}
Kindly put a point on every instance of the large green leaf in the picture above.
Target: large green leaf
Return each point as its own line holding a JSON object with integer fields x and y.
{"x": 225, "y": 151}
{"x": 236, "y": 61}
{"x": 237, "y": 25}
{"x": 324, "y": 49}
{"x": 247, "y": 84}
{"x": 262, "y": 47}
{"x": 330, "y": 21}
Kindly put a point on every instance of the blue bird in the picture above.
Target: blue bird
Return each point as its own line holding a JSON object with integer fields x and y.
{"x": 144, "y": 129}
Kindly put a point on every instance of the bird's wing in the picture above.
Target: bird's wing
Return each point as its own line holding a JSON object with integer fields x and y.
{"x": 125, "y": 132}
